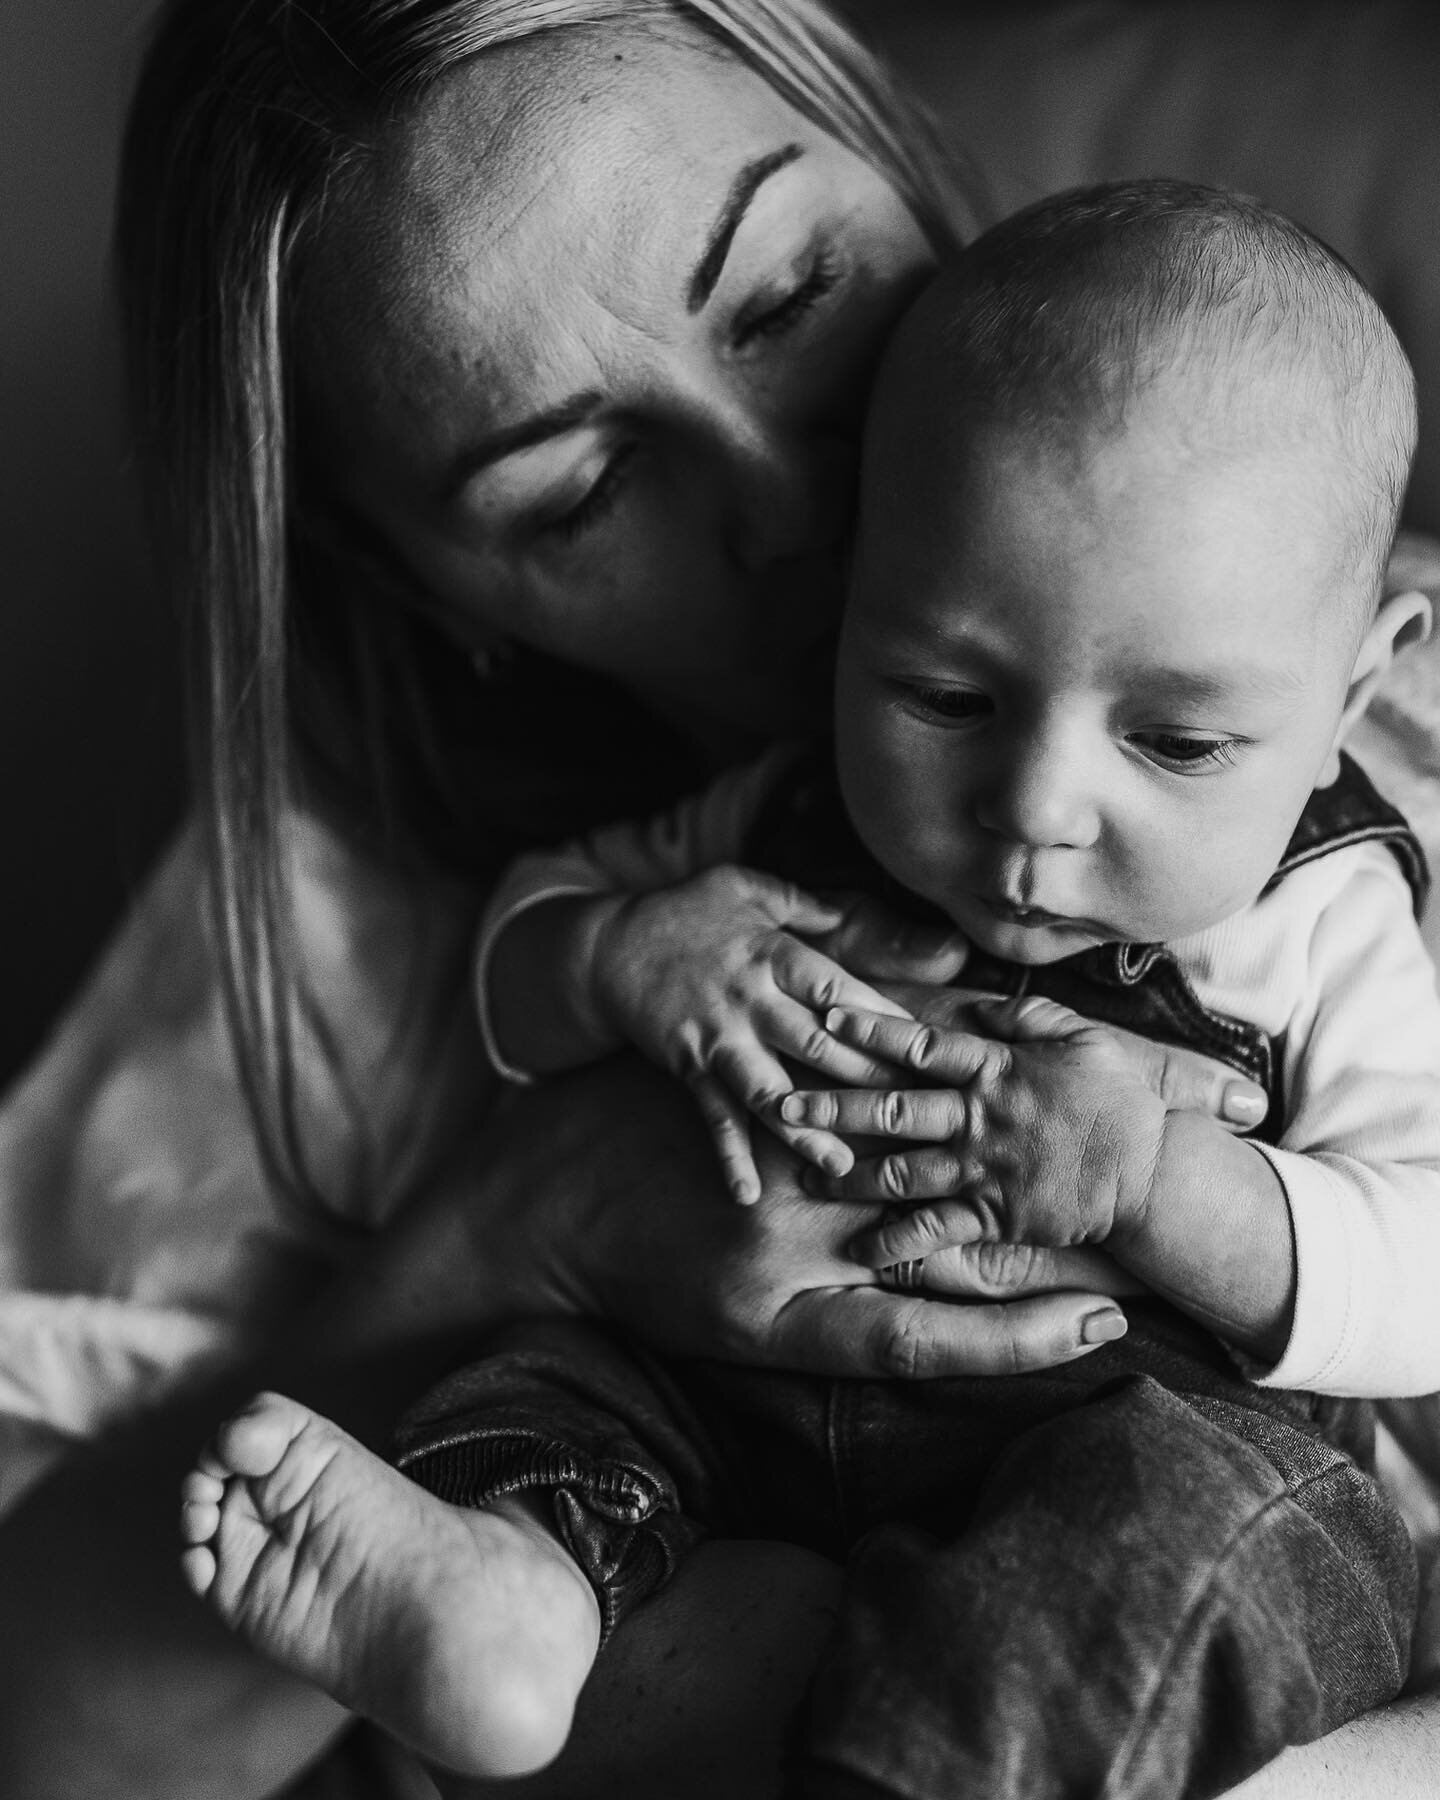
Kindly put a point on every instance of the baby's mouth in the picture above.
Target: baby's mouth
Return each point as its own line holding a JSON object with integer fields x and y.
{"x": 1014, "y": 914}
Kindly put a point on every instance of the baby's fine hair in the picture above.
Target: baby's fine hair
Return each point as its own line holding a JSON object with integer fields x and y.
{"x": 1060, "y": 318}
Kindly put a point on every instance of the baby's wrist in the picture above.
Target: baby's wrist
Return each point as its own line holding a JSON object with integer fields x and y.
{"x": 1144, "y": 1126}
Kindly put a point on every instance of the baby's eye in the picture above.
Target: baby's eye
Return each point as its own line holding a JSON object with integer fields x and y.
{"x": 950, "y": 703}
{"x": 1181, "y": 750}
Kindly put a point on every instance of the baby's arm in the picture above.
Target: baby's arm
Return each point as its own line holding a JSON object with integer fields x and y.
{"x": 651, "y": 936}
{"x": 1323, "y": 1253}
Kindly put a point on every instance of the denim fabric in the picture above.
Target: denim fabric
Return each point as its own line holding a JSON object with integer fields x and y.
{"x": 1134, "y": 1576}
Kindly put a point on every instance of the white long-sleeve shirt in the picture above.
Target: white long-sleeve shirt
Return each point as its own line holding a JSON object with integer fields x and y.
{"x": 1329, "y": 963}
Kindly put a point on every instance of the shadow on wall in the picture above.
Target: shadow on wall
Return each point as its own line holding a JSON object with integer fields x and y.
{"x": 90, "y": 756}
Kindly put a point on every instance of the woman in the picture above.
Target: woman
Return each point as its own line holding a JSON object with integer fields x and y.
{"x": 499, "y": 378}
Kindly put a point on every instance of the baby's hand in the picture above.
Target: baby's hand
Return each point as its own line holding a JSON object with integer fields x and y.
{"x": 1044, "y": 1137}
{"x": 713, "y": 980}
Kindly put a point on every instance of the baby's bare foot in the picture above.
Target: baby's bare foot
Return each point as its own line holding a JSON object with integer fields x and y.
{"x": 466, "y": 1634}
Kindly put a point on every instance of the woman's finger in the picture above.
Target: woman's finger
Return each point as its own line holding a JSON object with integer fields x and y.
{"x": 868, "y": 1331}
{"x": 949, "y": 1057}
{"x": 961, "y": 1259}
{"x": 729, "y": 1126}
{"x": 921, "y": 1115}
{"x": 1189, "y": 1082}
{"x": 987, "y": 1270}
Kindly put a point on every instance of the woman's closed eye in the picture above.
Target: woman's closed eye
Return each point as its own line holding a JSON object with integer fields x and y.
{"x": 598, "y": 501}
{"x": 771, "y": 316}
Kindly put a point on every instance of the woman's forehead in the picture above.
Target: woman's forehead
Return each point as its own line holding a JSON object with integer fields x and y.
{"x": 526, "y": 235}
{"x": 536, "y": 186}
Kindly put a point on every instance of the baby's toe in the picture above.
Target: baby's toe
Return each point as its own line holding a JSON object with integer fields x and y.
{"x": 253, "y": 1442}
{"x": 198, "y": 1567}
{"x": 202, "y": 1484}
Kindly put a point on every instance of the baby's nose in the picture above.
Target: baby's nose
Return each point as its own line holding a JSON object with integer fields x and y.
{"x": 1041, "y": 796}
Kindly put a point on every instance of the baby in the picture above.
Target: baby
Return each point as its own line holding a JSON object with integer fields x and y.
{"x": 1133, "y": 468}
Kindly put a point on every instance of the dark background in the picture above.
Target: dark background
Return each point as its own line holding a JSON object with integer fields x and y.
{"x": 90, "y": 764}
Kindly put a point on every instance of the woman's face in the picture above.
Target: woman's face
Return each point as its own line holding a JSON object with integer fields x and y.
{"x": 589, "y": 343}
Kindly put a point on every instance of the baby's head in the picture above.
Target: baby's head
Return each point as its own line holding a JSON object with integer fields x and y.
{"x": 1132, "y": 473}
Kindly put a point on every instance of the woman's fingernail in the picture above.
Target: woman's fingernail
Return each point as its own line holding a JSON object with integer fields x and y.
{"x": 1242, "y": 1105}
{"x": 1104, "y": 1327}
{"x": 792, "y": 1109}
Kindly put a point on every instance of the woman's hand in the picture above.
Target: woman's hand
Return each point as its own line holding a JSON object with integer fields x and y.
{"x": 640, "y": 1231}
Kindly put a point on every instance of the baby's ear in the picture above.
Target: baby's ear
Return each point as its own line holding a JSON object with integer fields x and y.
{"x": 1402, "y": 620}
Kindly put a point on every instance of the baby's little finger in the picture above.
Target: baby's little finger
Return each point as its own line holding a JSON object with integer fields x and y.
{"x": 926, "y": 1231}
{"x": 821, "y": 1149}
{"x": 729, "y": 1125}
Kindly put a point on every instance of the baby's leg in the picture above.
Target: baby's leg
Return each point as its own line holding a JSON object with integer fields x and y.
{"x": 466, "y": 1633}
{"x": 1150, "y": 1601}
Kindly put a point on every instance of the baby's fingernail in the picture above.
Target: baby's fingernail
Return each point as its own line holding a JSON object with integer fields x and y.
{"x": 836, "y": 1019}
{"x": 1104, "y": 1327}
{"x": 793, "y": 1109}
{"x": 1243, "y": 1105}
{"x": 838, "y": 1161}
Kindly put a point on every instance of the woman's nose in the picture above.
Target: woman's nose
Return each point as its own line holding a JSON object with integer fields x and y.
{"x": 793, "y": 494}
{"x": 1039, "y": 793}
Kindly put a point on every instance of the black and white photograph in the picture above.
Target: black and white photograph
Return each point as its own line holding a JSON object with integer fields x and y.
{"x": 721, "y": 1065}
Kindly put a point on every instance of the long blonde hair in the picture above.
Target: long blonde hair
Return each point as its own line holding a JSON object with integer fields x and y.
{"x": 246, "y": 114}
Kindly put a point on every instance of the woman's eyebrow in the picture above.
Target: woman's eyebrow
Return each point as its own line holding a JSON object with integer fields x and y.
{"x": 737, "y": 202}
{"x": 564, "y": 416}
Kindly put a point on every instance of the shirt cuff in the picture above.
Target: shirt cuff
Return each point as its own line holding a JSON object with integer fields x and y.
{"x": 491, "y": 931}
{"x": 1328, "y": 1275}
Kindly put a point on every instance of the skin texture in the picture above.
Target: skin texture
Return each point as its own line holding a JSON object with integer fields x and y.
{"x": 466, "y": 290}
{"x": 1067, "y": 678}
